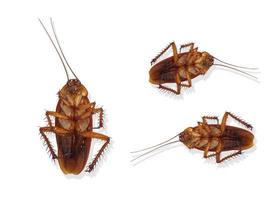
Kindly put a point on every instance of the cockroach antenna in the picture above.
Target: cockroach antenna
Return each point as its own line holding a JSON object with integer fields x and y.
{"x": 54, "y": 47}
{"x": 249, "y": 68}
{"x": 156, "y": 147}
{"x": 59, "y": 54}
{"x": 56, "y": 37}
{"x": 154, "y": 150}
{"x": 237, "y": 68}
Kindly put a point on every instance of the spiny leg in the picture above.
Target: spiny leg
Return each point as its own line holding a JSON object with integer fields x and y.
{"x": 101, "y": 113}
{"x": 49, "y": 145}
{"x": 205, "y": 122}
{"x": 224, "y": 121}
{"x": 191, "y": 45}
{"x": 52, "y": 129}
{"x": 54, "y": 114}
{"x": 177, "y": 91}
{"x": 218, "y": 152}
{"x": 219, "y": 160}
{"x": 175, "y": 54}
{"x": 204, "y": 118}
{"x": 178, "y": 83}
{"x": 100, "y": 136}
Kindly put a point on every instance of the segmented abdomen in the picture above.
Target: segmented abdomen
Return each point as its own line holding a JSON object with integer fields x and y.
{"x": 233, "y": 138}
{"x": 73, "y": 150}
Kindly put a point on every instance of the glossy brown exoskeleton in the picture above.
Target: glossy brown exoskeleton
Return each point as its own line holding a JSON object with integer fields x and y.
{"x": 214, "y": 138}
{"x": 184, "y": 66}
{"x": 73, "y": 126}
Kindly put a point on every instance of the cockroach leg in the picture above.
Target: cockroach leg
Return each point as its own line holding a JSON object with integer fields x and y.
{"x": 55, "y": 114}
{"x": 207, "y": 150}
{"x": 86, "y": 114}
{"x": 63, "y": 99}
{"x": 101, "y": 112}
{"x": 86, "y": 106}
{"x": 203, "y": 126}
{"x": 171, "y": 90}
{"x": 219, "y": 160}
{"x": 90, "y": 134}
{"x": 90, "y": 109}
{"x": 188, "y": 78}
{"x": 53, "y": 129}
{"x": 84, "y": 109}
{"x": 204, "y": 118}
{"x": 218, "y": 152}
{"x": 178, "y": 84}
{"x": 100, "y": 136}
{"x": 175, "y": 54}
{"x": 49, "y": 145}
{"x": 191, "y": 45}
{"x": 224, "y": 121}
{"x": 58, "y": 115}
{"x": 211, "y": 155}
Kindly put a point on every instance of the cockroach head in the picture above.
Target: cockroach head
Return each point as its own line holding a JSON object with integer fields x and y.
{"x": 73, "y": 87}
{"x": 207, "y": 59}
{"x": 189, "y": 137}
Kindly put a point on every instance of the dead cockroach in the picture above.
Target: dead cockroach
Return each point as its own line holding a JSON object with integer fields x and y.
{"x": 184, "y": 66}
{"x": 214, "y": 138}
{"x": 73, "y": 122}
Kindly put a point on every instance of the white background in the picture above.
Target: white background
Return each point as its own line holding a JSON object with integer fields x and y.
{"x": 110, "y": 45}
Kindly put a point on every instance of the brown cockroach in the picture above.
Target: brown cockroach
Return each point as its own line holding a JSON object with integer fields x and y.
{"x": 212, "y": 137}
{"x": 73, "y": 126}
{"x": 184, "y": 66}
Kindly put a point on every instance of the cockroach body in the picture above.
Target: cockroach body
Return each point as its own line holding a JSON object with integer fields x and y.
{"x": 73, "y": 124}
{"x": 184, "y": 66}
{"x": 214, "y": 138}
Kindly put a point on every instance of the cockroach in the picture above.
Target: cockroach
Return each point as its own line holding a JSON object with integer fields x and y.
{"x": 73, "y": 126}
{"x": 184, "y": 66}
{"x": 212, "y": 137}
